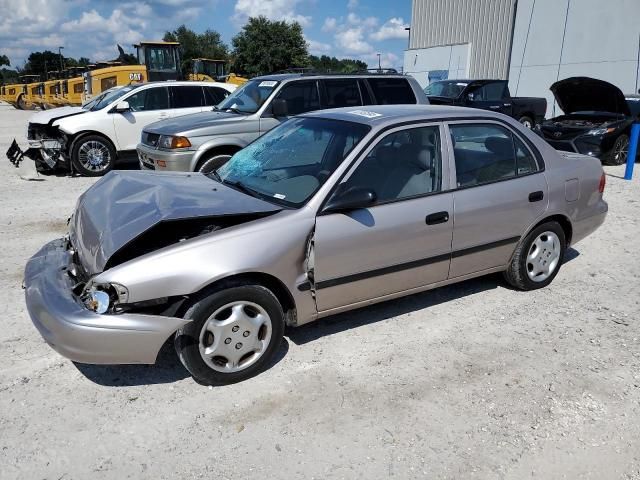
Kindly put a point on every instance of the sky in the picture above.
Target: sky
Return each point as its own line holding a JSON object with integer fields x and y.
{"x": 91, "y": 28}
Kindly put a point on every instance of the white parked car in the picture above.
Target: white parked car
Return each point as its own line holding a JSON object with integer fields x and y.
{"x": 90, "y": 138}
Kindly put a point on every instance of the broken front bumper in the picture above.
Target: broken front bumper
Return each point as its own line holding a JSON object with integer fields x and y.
{"x": 78, "y": 333}
{"x": 44, "y": 150}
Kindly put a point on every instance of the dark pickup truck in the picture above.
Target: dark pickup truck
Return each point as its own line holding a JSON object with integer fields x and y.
{"x": 488, "y": 95}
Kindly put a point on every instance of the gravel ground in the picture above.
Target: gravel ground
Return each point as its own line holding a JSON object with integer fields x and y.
{"x": 469, "y": 381}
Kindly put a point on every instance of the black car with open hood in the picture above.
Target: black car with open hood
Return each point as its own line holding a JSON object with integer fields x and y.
{"x": 597, "y": 119}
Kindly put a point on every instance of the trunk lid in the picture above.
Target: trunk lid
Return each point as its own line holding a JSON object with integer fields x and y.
{"x": 123, "y": 205}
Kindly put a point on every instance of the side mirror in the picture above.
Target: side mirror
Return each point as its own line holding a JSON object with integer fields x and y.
{"x": 279, "y": 108}
{"x": 122, "y": 107}
{"x": 351, "y": 199}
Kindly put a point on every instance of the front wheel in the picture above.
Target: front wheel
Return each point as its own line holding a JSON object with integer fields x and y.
{"x": 93, "y": 156}
{"x": 526, "y": 121}
{"x": 234, "y": 333}
{"x": 619, "y": 152}
{"x": 537, "y": 258}
{"x": 212, "y": 162}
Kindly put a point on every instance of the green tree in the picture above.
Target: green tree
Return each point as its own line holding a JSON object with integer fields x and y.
{"x": 197, "y": 45}
{"x": 333, "y": 64}
{"x": 265, "y": 46}
{"x": 4, "y": 60}
{"x": 39, "y": 63}
{"x": 8, "y": 76}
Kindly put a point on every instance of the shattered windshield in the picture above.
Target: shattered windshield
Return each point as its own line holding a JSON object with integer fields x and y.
{"x": 250, "y": 97}
{"x": 290, "y": 163}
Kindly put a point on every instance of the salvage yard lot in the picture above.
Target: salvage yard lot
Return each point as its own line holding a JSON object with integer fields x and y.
{"x": 474, "y": 380}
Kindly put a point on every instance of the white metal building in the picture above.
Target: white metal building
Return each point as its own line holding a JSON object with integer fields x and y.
{"x": 532, "y": 43}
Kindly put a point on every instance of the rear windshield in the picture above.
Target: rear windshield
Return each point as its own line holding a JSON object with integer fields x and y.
{"x": 392, "y": 91}
{"x": 447, "y": 89}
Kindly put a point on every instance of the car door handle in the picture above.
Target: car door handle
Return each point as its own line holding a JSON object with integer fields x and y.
{"x": 435, "y": 218}
{"x": 506, "y": 104}
{"x": 494, "y": 107}
{"x": 536, "y": 196}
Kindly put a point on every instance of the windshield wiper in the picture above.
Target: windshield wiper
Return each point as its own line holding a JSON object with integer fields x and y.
{"x": 236, "y": 110}
{"x": 238, "y": 185}
{"x": 215, "y": 175}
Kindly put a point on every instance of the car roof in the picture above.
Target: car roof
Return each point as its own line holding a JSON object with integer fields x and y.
{"x": 181, "y": 83}
{"x": 376, "y": 115}
{"x": 281, "y": 77}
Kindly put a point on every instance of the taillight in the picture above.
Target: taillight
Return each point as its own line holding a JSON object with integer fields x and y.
{"x": 603, "y": 182}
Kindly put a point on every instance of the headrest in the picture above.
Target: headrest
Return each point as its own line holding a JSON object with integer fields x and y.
{"x": 386, "y": 156}
{"x": 500, "y": 146}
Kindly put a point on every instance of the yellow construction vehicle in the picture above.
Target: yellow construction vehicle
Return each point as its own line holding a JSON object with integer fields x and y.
{"x": 106, "y": 75}
{"x": 157, "y": 61}
{"x": 207, "y": 69}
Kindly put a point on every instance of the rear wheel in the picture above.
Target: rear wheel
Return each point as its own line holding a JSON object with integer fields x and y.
{"x": 233, "y": 335}
{"x": 526, "y": 121}
{"x": 93, "y": 155}
{"x": 21, "y": 103}
{"x": 619, "y": 152}
{"x": 538, "y": 258}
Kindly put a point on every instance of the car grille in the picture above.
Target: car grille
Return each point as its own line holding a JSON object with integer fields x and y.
{"x": 150, "y": 139}
{"x": 36, "y": 132}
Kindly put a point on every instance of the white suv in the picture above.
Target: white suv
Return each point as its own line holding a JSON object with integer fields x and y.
{"x": 90, "y": 138}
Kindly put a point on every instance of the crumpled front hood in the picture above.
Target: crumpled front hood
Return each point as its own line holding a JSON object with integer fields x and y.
{"x": 190, "y": 124}
{"x": 582, "y": 94}
{"x": 123, "y": 205}
{"x": 44, "y": 117}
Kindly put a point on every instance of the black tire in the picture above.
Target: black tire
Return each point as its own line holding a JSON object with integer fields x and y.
{"x": 188, "y": 339}
{"x": 618, "y": 154}
{"x": 517, "y": 273}
{"x": 212, "y": 162}
{"x": 527, "y": 121}
{"x": 83, "y": 147}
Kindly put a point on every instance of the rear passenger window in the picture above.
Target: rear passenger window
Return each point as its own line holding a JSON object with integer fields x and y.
{"x": 187, "y": 96}
{"x": 403, "y": 164}
{"x": 488, "y": 153}
{"x": 300, "y": 97}
{"x": 389, "y": 91}
{"x": 214, "y": 95}
{"x": 342, "y": 93}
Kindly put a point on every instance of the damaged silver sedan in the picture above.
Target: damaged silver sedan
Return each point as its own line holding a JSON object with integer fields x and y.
{"x": 328, "y": 212}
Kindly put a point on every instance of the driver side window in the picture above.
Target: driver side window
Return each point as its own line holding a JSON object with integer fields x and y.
{"x": 300, "y": 97}
{"x": 149, "y": 99}
{"x": 403, "y": 164}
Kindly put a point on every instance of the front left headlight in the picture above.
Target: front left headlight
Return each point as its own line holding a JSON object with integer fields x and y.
{"x": 170, "y": 142}
{"x": 103, "y": 298}
{"x": 600, "y": 131}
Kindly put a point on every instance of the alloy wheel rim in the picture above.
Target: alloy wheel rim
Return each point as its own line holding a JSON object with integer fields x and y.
{"x": 235, "y": 336}
{"x": 94, "y": 156}
{"x": 210, "y": 165}
{"x": 621, "y": 150}
{"x": 543, "y": 257}
{"x": 527, "y": 124}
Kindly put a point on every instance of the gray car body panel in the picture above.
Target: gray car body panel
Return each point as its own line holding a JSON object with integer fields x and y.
{"x": 277, "y": 246}
{"x": 212, "y": 130}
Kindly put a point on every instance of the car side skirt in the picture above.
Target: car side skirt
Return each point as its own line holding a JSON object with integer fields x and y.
{"x": 405, "y": 293}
